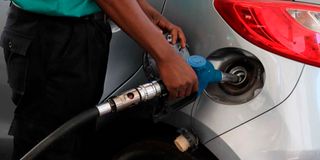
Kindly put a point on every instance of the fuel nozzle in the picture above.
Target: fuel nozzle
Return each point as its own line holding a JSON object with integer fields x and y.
{"x": 207, "y": 74}
{"x": 231, "y": 78}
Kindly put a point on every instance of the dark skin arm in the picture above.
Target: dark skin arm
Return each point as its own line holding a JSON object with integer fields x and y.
{"x": 137, "y": 18}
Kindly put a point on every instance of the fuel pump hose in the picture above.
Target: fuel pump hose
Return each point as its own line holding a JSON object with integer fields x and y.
{"x": 66, "y": 128}
{"x": 125, "y": 100}
{"x": 206, "y": 75}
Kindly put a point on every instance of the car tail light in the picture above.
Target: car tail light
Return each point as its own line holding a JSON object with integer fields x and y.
{"x": 289, "y": 29}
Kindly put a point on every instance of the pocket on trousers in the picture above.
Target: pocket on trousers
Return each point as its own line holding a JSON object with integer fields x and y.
{"x": 15, "y": 48}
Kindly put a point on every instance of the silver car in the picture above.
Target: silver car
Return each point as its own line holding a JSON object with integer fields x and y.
{"x": 272, "y": 114}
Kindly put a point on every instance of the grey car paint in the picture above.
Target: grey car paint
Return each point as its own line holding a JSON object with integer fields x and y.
{"x": 280, "y": 123}
{"x": 125, "y": 57}
{"x": 6, "y": 106}
{"x": 210, "y": 33}
{"x": 290, "y": 131}
{"x": 309, "y": 1}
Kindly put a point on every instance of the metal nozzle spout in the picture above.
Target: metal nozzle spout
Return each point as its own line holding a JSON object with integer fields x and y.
{"x": 232, "y": 78}
{"x": 236, "y": 76}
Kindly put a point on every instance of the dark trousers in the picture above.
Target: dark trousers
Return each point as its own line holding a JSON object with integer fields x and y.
{"x": 56, "y": 69}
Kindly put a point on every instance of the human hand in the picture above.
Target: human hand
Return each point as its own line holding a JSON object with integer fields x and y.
{"x": 175, "y": 31}
{"x": 176, "y": 74}
{"x": 178, "y": 77}
{"x": 162, "y": 23}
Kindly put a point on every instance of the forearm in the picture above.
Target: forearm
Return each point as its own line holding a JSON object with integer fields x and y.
{"x": 132, "y": 19}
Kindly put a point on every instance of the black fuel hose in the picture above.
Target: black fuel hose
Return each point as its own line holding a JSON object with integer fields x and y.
{"x": 66, "y": 128}
{"x": 143, "y": 93}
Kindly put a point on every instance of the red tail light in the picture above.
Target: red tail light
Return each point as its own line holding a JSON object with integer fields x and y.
{"x": 289, "y": 29}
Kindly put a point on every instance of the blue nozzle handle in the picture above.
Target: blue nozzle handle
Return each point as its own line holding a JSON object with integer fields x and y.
{"x": 205, "y": 71}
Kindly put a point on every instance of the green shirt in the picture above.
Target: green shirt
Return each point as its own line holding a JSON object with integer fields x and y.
{"x": 70, "y": 8}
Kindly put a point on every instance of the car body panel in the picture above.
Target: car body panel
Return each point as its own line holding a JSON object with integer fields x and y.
{"x": 122, "y": 64}
{"x": 6, "y": 105}
{"x": 125, "y": 56}
{"x": 309, "y": 1}
{"x": 207, "y": 32}
{"x": 290, "y": 131}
